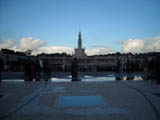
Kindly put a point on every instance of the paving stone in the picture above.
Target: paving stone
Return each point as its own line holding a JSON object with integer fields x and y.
{"x": 120, "y": 101}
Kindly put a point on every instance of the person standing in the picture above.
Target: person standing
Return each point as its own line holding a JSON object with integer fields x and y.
{"x": 128, "y": 69}
{"x": 45, "y": 69}
{"x": 1, "y": 68}
{"x": 145, "y": 66}
{"x": 32, "y": 70}
{"x": 118, "y": 70}
{"x": 157, "y": 69}
{"x": 27, "y": 71}
{"x": 38, "y": 69}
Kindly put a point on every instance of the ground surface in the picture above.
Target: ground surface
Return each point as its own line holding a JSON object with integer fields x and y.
{"x": 123, "y": 100}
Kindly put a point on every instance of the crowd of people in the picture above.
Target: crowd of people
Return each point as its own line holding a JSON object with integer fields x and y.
{"x": 152, "y": 69}
{"x": 33, "y": 69}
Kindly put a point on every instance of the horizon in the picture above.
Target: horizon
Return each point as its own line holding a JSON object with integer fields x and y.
{"x": 107, "y": 26}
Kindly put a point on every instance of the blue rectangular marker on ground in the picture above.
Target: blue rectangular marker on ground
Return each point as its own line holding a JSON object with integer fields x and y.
{"x": 80, "y": 101}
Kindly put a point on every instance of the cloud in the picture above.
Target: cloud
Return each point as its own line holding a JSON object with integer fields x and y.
{"x": 99, "y": 49}
{"x": 30, "y": 44}
{"x": 54, "y": 49}
{"x": 92, "y": 50}
{"x": 141, "y": 45}
{"x": 25, "y": 43}
{"x": 38, "y": 46}
{"x": 8, "y": 44}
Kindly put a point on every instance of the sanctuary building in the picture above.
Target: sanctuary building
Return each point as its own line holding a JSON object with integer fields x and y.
{"x": 61, "y": 62}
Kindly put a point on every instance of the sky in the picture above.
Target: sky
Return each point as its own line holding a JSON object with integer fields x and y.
{"x": 106, "y": 26}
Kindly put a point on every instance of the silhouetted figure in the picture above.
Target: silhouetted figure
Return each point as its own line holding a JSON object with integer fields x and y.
{"x": 118, "y": 70}
{"x": 157, "y": 70}
{"x": 38, "y": 69}
{"x": 27, "y": 71}
{"x": 45, "y": 69}
{"x": 32, "y": 70}
{"x": 49, "y": 73}
{"x": 152, "y": 69}
{"x": 75, "y": 69}
{"x": 1, "y": 68}
{"x": 146, "y": 66}
{"x": 129, "y": 70}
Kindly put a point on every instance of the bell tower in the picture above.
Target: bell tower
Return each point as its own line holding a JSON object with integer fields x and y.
{"x": 79, "y": 41}
{"x": 80, "y": 52}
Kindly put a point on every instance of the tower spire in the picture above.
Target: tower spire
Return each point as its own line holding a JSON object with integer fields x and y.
{"x": 79, "y": 40}
{"x": 80, "y": 52}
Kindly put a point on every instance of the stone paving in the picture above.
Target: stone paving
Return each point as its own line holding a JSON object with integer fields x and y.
{"x": 123, "y": 100}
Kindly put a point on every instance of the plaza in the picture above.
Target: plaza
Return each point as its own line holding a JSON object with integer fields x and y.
{"x": 122, "y": 100}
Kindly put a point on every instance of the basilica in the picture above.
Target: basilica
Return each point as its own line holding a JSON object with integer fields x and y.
{"x": 62, "y": 62}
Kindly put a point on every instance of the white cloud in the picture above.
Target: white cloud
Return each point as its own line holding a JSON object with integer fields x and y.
{"x": 99, "y": 49}
{"x": 54, "y": 49}
{"x": 25, "y": 43}
{"x": 30, "y": 44}
{"x": 8, "y": 44}
{"x": 141, "y": 45}
{"x": 38, "y": 46}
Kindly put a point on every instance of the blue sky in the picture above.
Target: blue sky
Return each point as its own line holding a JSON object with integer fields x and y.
{"x": 102, "y": 22}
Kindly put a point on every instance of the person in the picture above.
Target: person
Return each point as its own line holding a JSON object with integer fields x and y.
{"x": 26, "y": 71}
{"x": 157, "y": 69}
{"x": 45, "y": 69}
{"x": 152, "y": 67}
{"x": 145, "y": 66}
{"x": 74, "y": 69}
{"x": 129, "y": 69}
{"x": 38, "y": 69}
{"x": 49, "y": 73}
{"x": 118, "y": 70}
{"x": 1, "y": 68}
{"x": 32, "y": 70}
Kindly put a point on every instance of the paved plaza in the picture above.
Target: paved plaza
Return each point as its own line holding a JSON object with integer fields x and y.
{"x": 120, "y": 100}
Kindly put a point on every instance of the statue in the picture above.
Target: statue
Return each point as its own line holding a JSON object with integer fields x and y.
{"x": 74, "y": 69}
